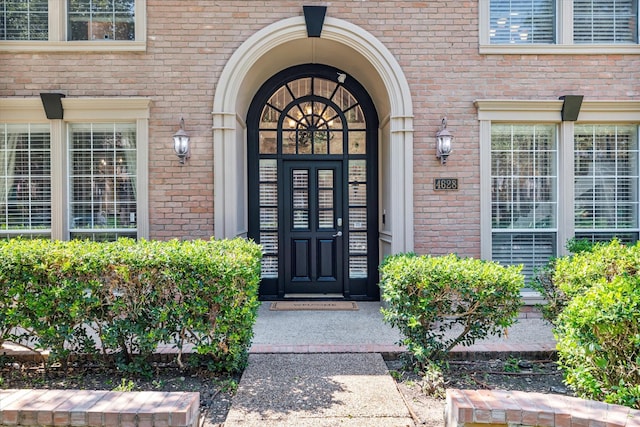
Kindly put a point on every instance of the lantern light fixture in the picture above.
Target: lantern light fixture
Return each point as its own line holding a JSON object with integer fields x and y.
{"x": 181, "y": 143}
{"x": 443, "y": 142}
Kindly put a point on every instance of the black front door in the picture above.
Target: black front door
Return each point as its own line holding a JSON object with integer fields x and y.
{"x": 313, "y": 200}
{"x": 312, "y": 185}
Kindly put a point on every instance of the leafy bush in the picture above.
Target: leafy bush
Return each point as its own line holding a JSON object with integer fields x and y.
{"x": 599, "y": 342}
{"x": 543, "y": 282}
{"x": 125, "y": 298}
{"x": 598, "y": 331}
{"x": 440, "y": 302}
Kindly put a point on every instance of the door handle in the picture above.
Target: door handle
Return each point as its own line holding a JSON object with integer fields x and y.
{"x": 338, "y": 234}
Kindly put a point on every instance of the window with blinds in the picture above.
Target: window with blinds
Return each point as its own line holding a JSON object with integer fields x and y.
{"x": 25, "y": 180}
{"x": 101, "y": 20}
{"x": 523, "y": 194}
{"x": 24, "y": 20}
{"x": 522, "y": 21}
{"x": 605, "y": 21}
{"x": 606, "y": 181}
{"x": 102, "y": 181}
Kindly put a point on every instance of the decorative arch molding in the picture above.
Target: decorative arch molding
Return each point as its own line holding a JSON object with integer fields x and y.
{"x": 229, "y": 135}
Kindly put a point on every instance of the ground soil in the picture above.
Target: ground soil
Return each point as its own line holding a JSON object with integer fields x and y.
{"x": 424, "y": 396}
{"x": 424, "y": 393}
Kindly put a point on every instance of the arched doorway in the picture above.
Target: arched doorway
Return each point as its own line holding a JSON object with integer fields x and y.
{"x": 312, "y": 184}
{"x": 344, "y": 46}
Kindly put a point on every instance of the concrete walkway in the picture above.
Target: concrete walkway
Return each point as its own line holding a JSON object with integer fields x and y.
{"x": 325, "y": 368}
{"x": 326, "y": 389}
{"x": 364, "y": 331}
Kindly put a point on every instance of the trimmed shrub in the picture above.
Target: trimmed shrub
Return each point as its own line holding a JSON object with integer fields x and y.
{"x": 598, "y": 332}
{"x": 440, "y": 302}
{"x": 124, "y": 298}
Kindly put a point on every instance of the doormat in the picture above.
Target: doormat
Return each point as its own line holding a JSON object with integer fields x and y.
{"x": 313, "y": 305}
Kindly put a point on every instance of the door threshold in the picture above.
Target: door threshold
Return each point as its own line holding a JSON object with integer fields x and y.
{"x": 313, "y": 296}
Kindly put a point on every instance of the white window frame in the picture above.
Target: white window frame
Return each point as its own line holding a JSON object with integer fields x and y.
{"x": 85, "y": 110}
{"x": 564, "y": 40}
{"x": 58, "y": 35}
{"x": 542, "y": 111}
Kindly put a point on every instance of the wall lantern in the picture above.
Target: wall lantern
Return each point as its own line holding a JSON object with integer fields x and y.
{"x": 181, "y": 143}
{"x": 443, "y": 142}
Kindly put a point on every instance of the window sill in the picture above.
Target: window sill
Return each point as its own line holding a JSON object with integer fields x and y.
{"x": 602, "y": 49}
{"x": 73, "y": 46}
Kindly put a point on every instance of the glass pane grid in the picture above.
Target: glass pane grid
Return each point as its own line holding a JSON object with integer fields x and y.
{"x": 103, "y": 180}
{"x": 606, "y": 177}
{"x": 106, "y": 20}
{"x": 357, "y": 267}
{"x": 522, "y": 21}
{"x": 24, "y": 20}
{"x": 523, "y": 176}
{"x": 25, "y": 179}
{"x": 605, "y": 21}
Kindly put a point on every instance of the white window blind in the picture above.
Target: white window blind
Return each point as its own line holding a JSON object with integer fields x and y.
{"x": 606, "y": 179}
{"x": 24, "y": 20}
{"x": 25, "y": 180}
{"x": 605, "y": 21}
{"x": 522, "y": 22}
{"x": 523, "y": 194}
{"x": 102, "y": 181}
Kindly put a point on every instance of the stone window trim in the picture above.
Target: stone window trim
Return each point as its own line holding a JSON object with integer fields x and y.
{"x": 85, "y": 110}
{"x": 564, "y": 43}
{"x": 57, "y": 41}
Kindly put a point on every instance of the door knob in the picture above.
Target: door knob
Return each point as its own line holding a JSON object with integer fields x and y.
{"x": 338, "y": 234}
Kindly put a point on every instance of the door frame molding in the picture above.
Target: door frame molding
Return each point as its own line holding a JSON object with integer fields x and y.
{"x": 229, "y": 136}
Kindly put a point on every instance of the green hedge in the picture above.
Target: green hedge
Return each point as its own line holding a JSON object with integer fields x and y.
{"x": 124, "y": 298}
{"x": 598, "y": 330}
{"x": 440, "y": 302}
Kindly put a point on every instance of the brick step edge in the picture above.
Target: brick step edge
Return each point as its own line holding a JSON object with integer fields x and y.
{"x": 35, "y": 407}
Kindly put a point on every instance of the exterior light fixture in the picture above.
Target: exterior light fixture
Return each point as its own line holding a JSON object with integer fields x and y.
{"x": 443, "y": 142}
{"x": 181, "y": 143}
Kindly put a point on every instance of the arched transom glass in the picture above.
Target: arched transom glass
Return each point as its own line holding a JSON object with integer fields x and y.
{"x": 312, "y": 116}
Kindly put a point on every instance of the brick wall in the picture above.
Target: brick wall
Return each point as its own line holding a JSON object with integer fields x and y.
{"x": 435, "y": 42}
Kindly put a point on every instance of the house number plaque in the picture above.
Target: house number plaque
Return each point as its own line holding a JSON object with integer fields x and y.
{"x": 445, "y": 184}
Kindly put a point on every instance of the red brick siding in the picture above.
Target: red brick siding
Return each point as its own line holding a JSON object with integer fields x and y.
{"x": 435, "y": 42}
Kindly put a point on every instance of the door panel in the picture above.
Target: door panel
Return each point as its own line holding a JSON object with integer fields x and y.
{"x": 313, "y": 203}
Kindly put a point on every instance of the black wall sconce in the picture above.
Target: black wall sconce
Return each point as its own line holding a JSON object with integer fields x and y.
{"x": 181, "y": 143}
{"x": 443, "y": 142}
